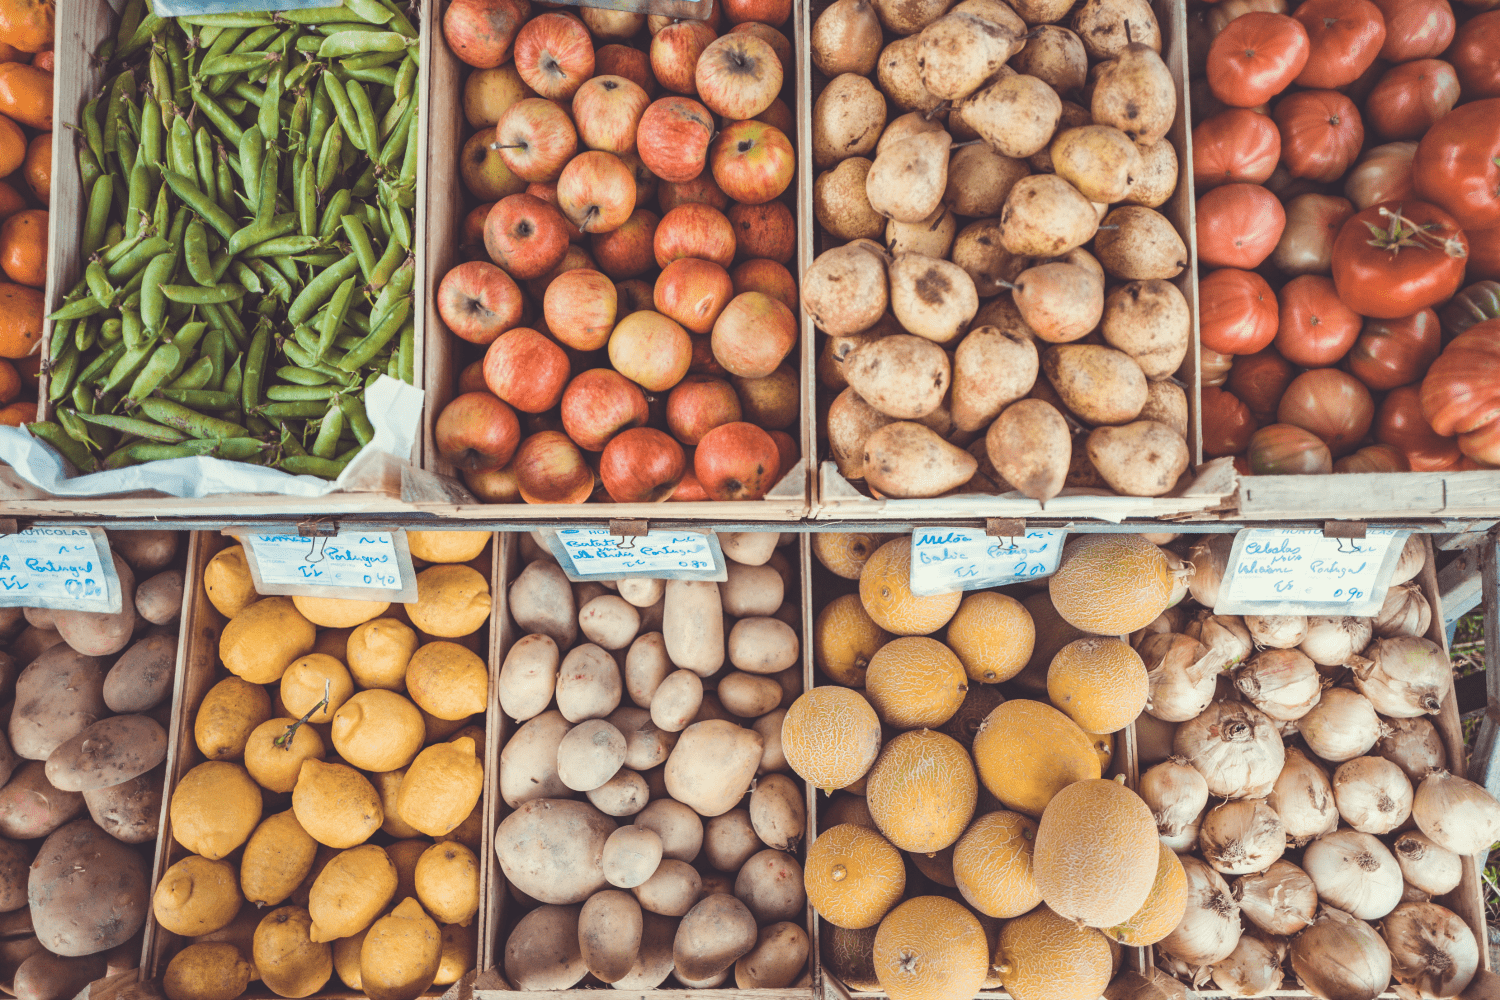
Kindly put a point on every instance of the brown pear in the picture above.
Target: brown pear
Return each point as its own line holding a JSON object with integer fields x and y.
{"x": 902, "y": 376}
{"x": 962, "y": 49}
{"x": 841, "y": 205}
{"x": 836, "y": 350}
{"x": 1054, "y": 55}
{"x": 1045, "y": 216}
{"x": 979, "y": 251}
{"x": 906, "y": 459}
{"x": 1140, "y": 459}
{"x": 850, "y": 423}
{"x": 899, "y": 74}
{"x": 1042, "y": 11}
{"x": 1099, "y": 160}
{"x": 908, "y": 179}
{"x": 1136, "y": 94}
{"x": 1100, "y": 385}
{"x": 907, "y": 17}
{"x": 1150, "y": 321}
{"x": 932, "y": 237}
{"x": 846, "y": 38}
{"x": 847, "y": 119}
{"x": 932, "y": 298}
{"x": 1031, "y": 447}
{"x": 907, "y": 125}
{"x": 1061, "y": 302}
{"x": 1156, "y": 181}
{"x": 1016, "y": 114}
{"x": 1166, "y": 403}
{"x": 1136, "y": 243}
{"x": 992, "y": 368}
{"x": 1107, "y": 26}
{"x": 979, "y": 179}
{"x": 845, "y": 290}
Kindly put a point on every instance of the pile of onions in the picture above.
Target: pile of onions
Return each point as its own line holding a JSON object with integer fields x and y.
{"x": 1277, "y": 631}
{"x": 1434, "y": 870}
{"x": 1181, "y": 675}
{"x": 1227, "y": 638}
{"x": 1412, "y": 745}
{"x": 1372, "y": 794}
{"x": 1405, "y": 612}
{"x": 1280, "y": 900}
{"x": 1283, "y": 683}
{"x": 1342, "y": 726}
{"x": 1405, "y": 677}
{"x": 1354, "y": 872}
{"x": 1235, "y": 747}
{"x": 1210, "y": 926}
{"x": 1413, "y": 557}
{"x": 1333, "y": 642}
{"x": 1341, "y": 958}
{"x": 1303, "y": 798}
{"x": 1241, "y": 836}
{"x": 1209, "y": 558}
{"x": 1177, "y": 795}
{"x": 1170, "y": 620}
{"x": 1253, "y": 969}
{"x": 1457, "y": 814}
{"x": 1433, "y": 952}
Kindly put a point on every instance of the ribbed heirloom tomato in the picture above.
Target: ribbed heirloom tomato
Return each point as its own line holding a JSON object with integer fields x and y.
{"x": 1238, "y": 225}
{"x": 1255, "y": 57}
{"x": 1259, "y": 380}
{"x": 1484, "y": 255}
{"x": 1476, "y": 56}
{"x": 1395, "y": 258}
{"x": 1399, "y": 423}
{"x": 1315, "y": 328}
{"x": 1321, "y": 133}
{"x": 1415, "y": 29}
{"x": 1409, "y": 98}
{"x": 1234, "y": 146}
{"x": 1313, "y": 222}
{"x": 1237, "y": 312}
{"x": 1330, "y": 403}
{"x": 1461, "y": 393}
{"x": 1396, "y": 352}
{"x": 1227, "y": 423}
{"x": 1382, "y": 174}
{"x": 1345, "y": 38}
{"x": 1457, "y": 166}
{"x": 1284, "y": 450}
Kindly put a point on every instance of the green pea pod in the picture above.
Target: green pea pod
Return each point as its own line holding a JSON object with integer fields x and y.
{"x": 199, "y": 202}
{"x": 103, "y": 363}
{"x": 127, "y": 366}
{"x": 297, "y": 126}
{"x": 89, "y": 170}
{"x": 134, "y": 427}
{"x": 270, "y": 170}
{"x": 162, "y": 361}
{"x": 138, "y": 199}
{"x": 204, "y": 399}
{"x": 133, "y": 118}
{"x": 98, "y": 282}
{"x": 248, "y": 279}
{"x": 197, "y": 295}
{"x": 131, "y": 263}
{"x": 408, "y": 372}
{"x": 315, "y": 15}
{"x": 149, "y": 28}
{"x": 369, "y": 10}
{"x": 153, "y": 291}
{"x": 93, "y": 135}
{"x": 370, "y": 60}
{"x": 195, "y": 250}
{"x": 86, "y": 333}
{"x": 278, "y": 286}
{"x": 233, "y": 380}
{"x": 298, "y": 75}
{"x": 309, "y": 44}
{"x": 130, "y": 19}
{"x": 379, "y": 76}
{"x": 329, "y": 156}
{"x": 61, "y": 442}
{"x": 395, "y": 123}
{"x": 180, "y": 148}
{"x": 326, "y": 444}
{"x": 119, "y": 91}
{"x": 224, "y": 41}
{"x": 379, "y": 337}
{"x": 178, "y": 70}
{"x": 399, "y": 20}
{"x": 399, "y": 286}
{"x": 79, "y": 309}
{"x": 281, "y": 246}
{"x": 344, "y": 110}
{"x": 114, "y": 251}
{"x": 269, "y": 119}
{"x": 79, "y": 431}
{"x": 64, "y": 370}
{"x": 246, "y": 92}
{"x": 152, "y": 127}
{"x": 356, "y": 419}
{"x": 218, "y": 116}
{"x": 255, "y": 363}
{"x": 196, "y": 377}
{"x": 333, "y": 318}
{"x": 203, "y": 159}
{"x": 359, "y": 243}
{"x": 214, "y": 348}
{"x": 132, "y": 326}
{"x": 161, "y": 218}
{"x": 285, "y": 265}
{"x": 354, "y": 42}
{"x": 334, "y": 209}
{"x": 301, "y": 376}
{"x": 234, "y": 19}
{"x": 386, "y": 266}
{"x": 364, "y": 184}
{"x": 292, "y": 409}
{"x": 188, "y": 337}
{"x": 224, "y": 174}
{"x": 321, "y": 114}
{"x": 400, "y": 227}
{"x": 308, "y": 465}
{"x": 260, "y": 231}
{"x": 318, "y": 291}
{"x": 406, "y": 78}
{"x": 299, "y": 394}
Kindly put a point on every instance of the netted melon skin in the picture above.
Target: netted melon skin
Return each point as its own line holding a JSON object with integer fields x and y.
{"x": 1111, "y": 584}
{"x": 1043, "y": 956}
{"x": 931, "y": 948}
{"x": 1096, "y": 853}
{"x": 922, "y": 791}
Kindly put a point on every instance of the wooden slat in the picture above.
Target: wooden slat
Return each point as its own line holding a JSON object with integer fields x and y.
{"x": 1370, "y": 495}
{"x": 1459, "y": 584}
{"x": 506, "y": 559}
{"x": 1484, "y": 765}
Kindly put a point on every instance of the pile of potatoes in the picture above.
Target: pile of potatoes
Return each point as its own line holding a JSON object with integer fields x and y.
{"x": 655, "y": 825}
{"x": 87, "y": 703}
{"x": 996, "y": 175}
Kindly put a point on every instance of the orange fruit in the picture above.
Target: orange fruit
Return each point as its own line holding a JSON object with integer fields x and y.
{"x": 885, "y": 591}
{"x": 915, "y": 683}
{"x": 12, "y": 147}
{"x": 992, "y": 635}
{"x": 38, "y": 167}
{"x": 853, "y": 876}
{"x": 45, "y": 60}
{"x": 27, "y": 24}
{"x": 26, "y": 92}
{"x": 1099, "y": 682}
{"x": 17, "y": 414}
{"x": 21, "y": 314}
{"x": 931, "y": 948}
{"x": 10, "y": 382}
{"x": 11, "y": 201}
{"x": 9, "y": 53}
{"x": 23, "y": 247}
{"x": 30, "y": 370}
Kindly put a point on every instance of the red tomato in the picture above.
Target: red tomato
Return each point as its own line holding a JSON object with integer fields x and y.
{"x": 1256, "y": 57}
{"x": 1332, "y": 404}
{"x": 1213, "y": 367}
{"x": 1227, "y": 423}
{"x": 1373, "y": 458}
{"x": 1395, "y": 352}
{"x": 1321, "y": 133}
{"x": 1313, "y": 222}
{"x": 1259, "y": 379}
{"x": 1476, "y": 56}
{"x": 1315, "y": 329}
{"x": 1475, "y": 304}
{"x": 1284, "y": 450}
{"x": 1221, "y": 13}
{"x": 1382, "y": 174}
{"x": 1399, "y": 423}
{"x": 1461, "y": 393}
{"x": 1237, "y": 312}
{"x": 1238, "y": 225}
{"x": 1345, "y": 37}
{"x": 1484, "y": 255}
{"x": 1409, "y": 98}
{"x": 1234, "y": 146}
{"x": 1395, "y": 258}
{"x": 1415, "y": 29}
{"x": 1457, "y": 166}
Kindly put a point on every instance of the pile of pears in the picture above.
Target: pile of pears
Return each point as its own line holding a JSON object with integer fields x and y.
{"x": 988, "y": 181}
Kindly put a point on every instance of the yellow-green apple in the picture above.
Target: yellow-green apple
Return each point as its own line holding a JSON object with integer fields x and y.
{"x": 780, "y": 44}
{"x": 476, "y": 430}
{"x": 641, "y": 465}
{"x": 575, "y": 259}
{"x": 761, "y": 275}
{"x": 767, "y": 230}
{"x": 600, "y": 403}
{"x": 737, "y": 461}
{"x": 753, "y": 334}
{"x": 471, "y": 379}
{"x": 738, "y": 76}
{"x": 526, "y": 370}
{"x": 622, "y": 60}
{"x": 779, "y": 115}
{"x": 698, "y": 404}
{"x": 484, "y": 173}
{"x": 489, "y": 93}
{"x": 596, "y": 191}
{"x": 617, "y": 24}
{"x": 694, "y": 230}
{"x": 673, "y": 138}
{"x": 650, "y": 350}
{"x": 701, "y": 190}
{"x": 770, "y": 402}
{"x": 693, "y": 292}
{"x": 634, "y": 295}
{"x": 480, "y": 32}
{"x": 494, "y": 485}
{"x": 554, "y": 55}
{"x": 674, "y": 54}
{"x": 548, "y": 193}
{"x": 704, "y": 362}
{"x": 772, "y": 12}
{"x": 550, "y": 468}
{"x": 525, "y": 235}
{"x": 479, "y": 302}
{"x": 752, "y": 162}
{"x": 628, "y": 251}
{"x": 536, "y": 139}
{"x": 607, "y": 110}
{"x": 580, "y": 307}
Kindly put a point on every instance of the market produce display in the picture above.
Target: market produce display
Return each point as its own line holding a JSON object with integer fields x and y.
{"x": 250, "y": 182}
{"x": 1344, "y": 157}
{"x": 655, "y": 831}
{"x": 339, "y": 789}
{"x": 989, "y": 183}
{"x": 627, "y": 291}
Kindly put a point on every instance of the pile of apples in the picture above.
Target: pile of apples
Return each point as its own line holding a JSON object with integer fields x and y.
{"x": 627, "y": 277}
{"x": 1003, "y": 315}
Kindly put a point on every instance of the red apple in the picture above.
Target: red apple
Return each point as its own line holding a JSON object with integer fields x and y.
{"x": 600, "y": 403}
{"x": 607, "y": 110}
{"x": 480, "y": 32}
{"x": 634, "y": 294}
{"x": 761, "y": 275}
{"x": 493, "y": 485}
{"x": 753, "y": 162}
{"x": 736, "y": 461}
{"x": 548, "y": 193}
{"x": 576, "y": 258}
{"x": 536, "y": 139}
{"x": 580, "y": 307}
{"x": 674, "y": 54}
{"x": 704, "y": 362}
{"x": 476, "y": 431}
{"x": 551, "y": 469}
{"x": 641, "y": 465}
{"x": 622, "y": 60}
{"x": 780, "y": 44}
{"x": 650, "y": 350}
{"x": 472, "y": 234}
{"x": 484, "y": 173}
{"x": 526, "y": 370}
{"x": 771, "y": 402}
{"x": 738, "y": 76}
{"x": 772, "y": 12}
{"x": 753, "y": 334}
{"x": 693, "y": 292}
{"x": 525, "y": 235}
{"x": 620, "y": 24}
{"x": 628, "y": 251}
{"x": 554, "y": 55}
{"x": 596, "y": 190}
{"x": 656, "y": 22}
{"x": 698, "y": 404}
{"x": 701, "y": 190}
{"x": 766, "y": 230}
{"x": 673, "y": 137}
{"x": 786, "y": 447}
{"x": 689, "y": 490}
{"x": 479, "y": 302}
{"x": 471, "y": 379}
{"x": 779, "y": 115}
{"x": 645, "y": 181}
{"x": 694, "y": 231}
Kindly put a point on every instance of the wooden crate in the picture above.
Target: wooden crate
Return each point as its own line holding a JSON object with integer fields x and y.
{"x": 1361, "y": 496}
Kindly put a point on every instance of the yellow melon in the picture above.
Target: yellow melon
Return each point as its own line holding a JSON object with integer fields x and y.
{"x": 885, "y": 591}
{"x": 843, "y": 553}
{"x": 830, "y": 736}
{"x": 979, "y": 702}
{"x": 1096, "y": 853}
{"x": 853, "y": 876}
{"x": 915, "y": 682}
{"x": 850, "y": 955}
{"x": 1104, "y": 746}
{"x": 1163, "y": 909}
{"x": 921, "y": 791}
{"x": 931, "y": 948}
{"x": 1099, "y": 682}
{"x": 1027, "y": 752}
{"x": 937, "y": 866}
{"x": 1042, "y": 956}
{"x": 845, "y": 637}
{"x": 1052, "y": 634}
{"x": 1111, "y": 584}
{"x": 993, "y": 636}
{"x": 992, "y": 865}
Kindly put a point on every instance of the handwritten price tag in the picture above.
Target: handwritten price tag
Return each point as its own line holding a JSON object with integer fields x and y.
{"x": 65, "y": 568}
{"x": 1292, "y": 571}
{"x": 369, "y": 564}
{"x": 675, "y": 555}
{"x": 947, "y": 559}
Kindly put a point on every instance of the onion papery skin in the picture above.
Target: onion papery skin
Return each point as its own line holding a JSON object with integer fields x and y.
{"x": 1334, "y": 641}
{"x": 1280, "y": 900}
{"x": 1241, "y": 836}
{"x": 1277, "y": 631}
{"x": 1414, "y": 746}
{"x": 1426, "y": 865}
{"x": 1303, "y": 798}
{"x": 1181, "y": 674}
{"x": 1176, "y": 794}
{"x": 1354, "y": 872}
{"x": 1341, "y": 957}
{"x": 1342, "y": 726}
{"x": 1254, "y": 967}
{"x": 1456, "y": 813}
{"x": 1235, "y": 747}
{"x": 1433, "y": 952}
{"x": 1405, "y": 611}
{"x": 1409, "y": 564}
{"x": 1226, "y": 637}
{"x": 1372, "y": 794}
{"x": 1210, "y": 927}
{"x": 1209, "y": 558}
{"x": 1405, "y": 677}
{"x": 1283, "y": 683}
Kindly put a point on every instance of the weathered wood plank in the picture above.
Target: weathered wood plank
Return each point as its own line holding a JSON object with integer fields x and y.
{"x": 1483, "y": 765}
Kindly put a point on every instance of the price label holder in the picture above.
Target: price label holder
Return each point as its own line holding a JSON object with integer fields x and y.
{"x": 68, "y": 569}
{"x": 597, "y": 554}
{"x": 184, "y": 8}
{"x": 1286, "y": 571}
{"x": 355, "y": 565}
{"x": 947, "y": 559}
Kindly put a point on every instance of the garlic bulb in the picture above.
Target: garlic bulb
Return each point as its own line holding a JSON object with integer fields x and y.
{"x": 1372, "y": 794}
{"x": 1227, "y": 638}
{"x": 1283, "y": 683}
{"x": 1332, "y": 642}
{"x": 1341, "y": 958}
{"x": 1235, "y": 747}
{"x": 1433, "y": 952}
{"x": 1210, "y": 926}
{"x": 1277, "y": 631}
{"x": 1456, "y": 813}
{"x": 1405, "y": 611}
{"x": 1241, "y": 836}
{"x": 1253, "y": 969}
{"x": 1176, "y": 794}
{"x": 1434, "y": 870}
{"x": 1280, "y": 900}
{"x": 1342, "y": 726}
{"x": 1181, "y": 676}
{"x": 1413, "y": 557}
{"x": 1303, "y": 798}
{"x": 1354, "y": 872}
{"x": 1181, "y": 570}
{"x": 1183, "y": 972}
{"x": 1412, "y": 745}
{"x": 1405, "y": 677}
{"x": 1209, "y": 558}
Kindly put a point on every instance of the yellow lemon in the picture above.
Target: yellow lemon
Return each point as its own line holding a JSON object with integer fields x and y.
{"x": 441, "y": 787}
{"x": 289, "y": 961}
{"x": 447, "y": 883}
{"x": 197, "y": 896}
{"x": 452, "y": 601}
{"x": 206, "y": 972}
{"x": 399, "y": 959}
{"x": 278, "y": 856}
{"x": 336, "y": 804}
{"x": 338, "y": 612}
{"x": 227, "y": 583}
{"x": 350, "y": 892}
{"x": 261, "y": 641}
{"x": 308, "y": 680}
{"x": 378, "y": 652}
{"x": 215, "y": 808}
{"x": 388, "y": 784}
{"x": 378, "y": 731}
{"x": 227, "y": 716}
{"x": 448, "y": 681}
{"x": 275, "y": 768}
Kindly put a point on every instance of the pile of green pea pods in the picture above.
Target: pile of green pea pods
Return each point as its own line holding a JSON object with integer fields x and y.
{"x": 251, "y": 179}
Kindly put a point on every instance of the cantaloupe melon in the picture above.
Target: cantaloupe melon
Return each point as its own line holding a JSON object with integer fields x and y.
{"x": 885, "y": 591}
{"x": 1052, "y": 634}
{"x": 931, "y": 948}
{"x": 1042, "y": 956}
{"x": 844, "y": 553}
{"x": 992, "y": 864}
{"x": 979, "y": 702}
{"x": 1104, "y": 746}
{"x": 1027, "y": 752}
{"x": 1096, "y": 853}
{"x": 1111, "y": 584}
{"x": 1163, "y": 909}
{"x": 1099, "y": 682}
{"x": 853, "y": 876}
{"x": 830, "y": 736}
{"x": 915, "y": 682}
{"x": 992, "y": 635}
{"x": 846, "y": 808}
{"x": 850, "y": 955}
{"x": 937, "y": 867}
{"x": 921, "y": 791}
{"x": 844, "y": 639}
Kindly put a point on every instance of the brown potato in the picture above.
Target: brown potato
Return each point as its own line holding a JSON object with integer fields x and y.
{"x": 88, "y": 891}
{"x": 1141, "y": 459}
{"x": 749, "y": 695}
{"x": 147, "y": 552}
{"x": 762, "y": 645}
{"x": 653, "y": 964}
{"x": 58, "y": 696}
{"x": 624, "y": 794}
{"x": 30, "y": 807}
{"x": 712, "y": 937}
{"x": 778, "y": 958}
{"x": 609, "y": 933}
{"x": 159, "y": 599}
{"x": 528, "y": 761}
{"x": 778, "y": 812}
{"x": 1030, "y": 447}
{"x": 31, "y": 643}
{"x": 542, "y": 601}
{"x": 1099, "y": 384}
{"x": 15, "y": 861}
{"x": 552, "y": 849}
{"x": 142, "y": 677}
{"x": 730, "y": 840}
{"x": 107, "y": 753}
{"x": 1142, "y": 245}
{"x": 770, "y": 884}
{"x": 543, "y": 952}
{"x": 678, "y": 826}
{"x": 130, "y": 811}
{"x": 45, "y": 976}
{"x": 712, "y": 766}
{"x": 671, "y": 890}
{"x": 99, "y": 633}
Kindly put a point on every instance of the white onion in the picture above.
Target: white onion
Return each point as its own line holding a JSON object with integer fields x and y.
{"x": 1186, "y": 839}
{"x": 1176, "y": 794}
{"x": 1227, "y": 638}
{"x": 1209, "y": 558}
{"x": 1235, "y": 747}
{"x": 1433, "y": 952}
{"x": 1303, "y": 798}
{"x": 1405, "y": 611}
{"x": 1277, "y": 631}
{"x": 1412, "y": 745}
{"x": 1405, "y": 677}
{"x": 1455, "y": 813}
{"x": 1283, "y": 683}
{"x": 1413, "y": 557}
{"x": 1241, "y": 836}
{"x": 1181, "y": 676}
{"x": 1210, "y": 926}
{"x": 1342, "y": 726}
{"x": 1372, "y": 794}
{"x": 1253, "y": 969}
{"x": 1181, "y": 570}
{"x": 1161, "y": 623}
{"x": 1354, "y": 872}
{"x": 1411, "y": 894}
{"x": 1332, "y": 642}
{"x": 1280, "y": 900}
{"x": 1341, "y": 958}
{"x": 1434, "y": 870}
{"x": 1183, "y": 973}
